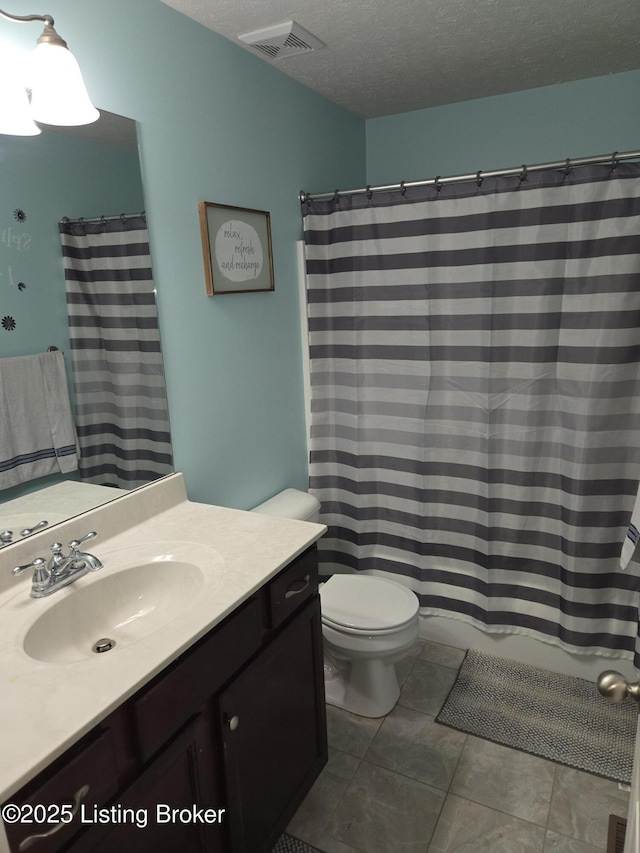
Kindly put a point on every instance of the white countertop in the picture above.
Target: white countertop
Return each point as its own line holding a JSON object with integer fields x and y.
{"x": 45, "y": 707}
{"x": 54, "y": 504}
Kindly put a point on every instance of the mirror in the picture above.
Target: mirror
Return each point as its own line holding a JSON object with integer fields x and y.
{"x": 80, "y": 172}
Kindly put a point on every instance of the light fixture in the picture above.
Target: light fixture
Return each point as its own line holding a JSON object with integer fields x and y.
{"x": 15, "y": 112}
{"x": 58, "y": 95}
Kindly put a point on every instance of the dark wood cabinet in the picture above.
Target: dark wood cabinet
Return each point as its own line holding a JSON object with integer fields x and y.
{"x": 85, "y": 778}
{"x": 215, "y": 754}
{"x": 274, "y": 739}
{"x": 159, "y": 811}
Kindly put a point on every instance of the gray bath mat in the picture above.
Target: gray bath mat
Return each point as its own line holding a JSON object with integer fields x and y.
{"x": 289, "y": 844}
{"x": 554, "y": 716}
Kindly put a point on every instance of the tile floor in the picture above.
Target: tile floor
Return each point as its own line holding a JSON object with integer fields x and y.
{"x": 404, "y": 784}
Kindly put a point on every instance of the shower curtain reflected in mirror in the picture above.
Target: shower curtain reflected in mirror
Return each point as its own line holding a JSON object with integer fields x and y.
{"x": 475, "y": 385}
{"x": 122, "y": 417}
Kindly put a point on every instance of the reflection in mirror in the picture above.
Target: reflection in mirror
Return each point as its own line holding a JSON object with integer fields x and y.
{"x": 83, "y": 173}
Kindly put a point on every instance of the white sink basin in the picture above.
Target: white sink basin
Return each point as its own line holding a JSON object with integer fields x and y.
{"x": 134, "y": 596}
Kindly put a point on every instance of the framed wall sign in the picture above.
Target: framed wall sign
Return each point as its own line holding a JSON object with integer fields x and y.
{"x": 236, "y": 246}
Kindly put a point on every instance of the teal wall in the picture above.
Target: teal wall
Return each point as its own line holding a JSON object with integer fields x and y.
{"x": 579, "y": 119}
{"x": 216, "y": 123}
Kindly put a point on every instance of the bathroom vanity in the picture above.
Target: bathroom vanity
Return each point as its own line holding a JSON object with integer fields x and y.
{"x": 209, "y": 747}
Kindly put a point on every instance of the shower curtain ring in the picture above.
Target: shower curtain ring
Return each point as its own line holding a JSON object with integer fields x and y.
{"x": 614, "y": 161}
{"x": 567, "y": 168}
{"x": 438, "y": 185}
{"x": 336, "y": 197}
{"x": 479, "y": 178}
{"x": 524, "y": 173}
{"x": 403, "y": 189}
{"x": 369, "y": 192}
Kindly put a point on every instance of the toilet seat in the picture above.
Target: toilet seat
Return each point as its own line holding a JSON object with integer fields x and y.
{"x": 364, "y": 632}
{"x": 365, "y": 604}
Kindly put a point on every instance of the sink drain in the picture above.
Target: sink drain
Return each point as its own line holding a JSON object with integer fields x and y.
{"x": 103, "y": 645}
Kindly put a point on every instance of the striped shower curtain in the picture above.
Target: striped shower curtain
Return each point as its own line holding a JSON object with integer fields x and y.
{"x": 122, "y": 417}
{"x": 475, "y": 384}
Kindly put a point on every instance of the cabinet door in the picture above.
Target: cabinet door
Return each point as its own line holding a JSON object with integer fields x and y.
{"x": 274, "y": 733}
{"x": 164, "y": 810}
{"x": 85, "y": 778}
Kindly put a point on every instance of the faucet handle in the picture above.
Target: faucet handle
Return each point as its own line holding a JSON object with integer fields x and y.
{"x": 41, "y": 575}
{"x": 76, "y": 543}
{"x": 79, "y": 558}
{"x": 36, "y": 564}
{"x": 29, "y": 530}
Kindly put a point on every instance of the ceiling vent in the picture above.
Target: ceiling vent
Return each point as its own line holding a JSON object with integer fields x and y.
{"x": 282, "y": 40}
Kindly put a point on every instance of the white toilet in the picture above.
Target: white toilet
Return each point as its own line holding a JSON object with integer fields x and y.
{"x": 369, "y": 623}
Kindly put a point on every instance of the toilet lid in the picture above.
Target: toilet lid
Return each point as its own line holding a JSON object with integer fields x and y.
{"x": 366, "y": 602}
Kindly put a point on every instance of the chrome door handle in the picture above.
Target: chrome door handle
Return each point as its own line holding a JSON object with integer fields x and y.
{"x": 615, "y": 686}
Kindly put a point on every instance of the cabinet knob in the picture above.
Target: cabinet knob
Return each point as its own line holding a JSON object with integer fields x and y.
{"x": 233, "y": 722}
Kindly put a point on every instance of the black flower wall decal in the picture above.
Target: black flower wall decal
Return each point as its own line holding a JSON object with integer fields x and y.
{"x": 22, "y": 285}
{"x": 20, "y": 215}
{"x": 8, "y": 323}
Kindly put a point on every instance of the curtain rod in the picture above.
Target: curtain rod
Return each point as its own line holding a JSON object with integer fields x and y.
{"x": 479, "y": 176}
{"x": 121, "y": 216}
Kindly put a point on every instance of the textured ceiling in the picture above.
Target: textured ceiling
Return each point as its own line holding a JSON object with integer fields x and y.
{"x": 386, "y": 57}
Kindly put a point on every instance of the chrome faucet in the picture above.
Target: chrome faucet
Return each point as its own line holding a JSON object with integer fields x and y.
{"x": 60, "y": 570}
{"x": 58, "y": 564}
{"x": 6, "y": 536}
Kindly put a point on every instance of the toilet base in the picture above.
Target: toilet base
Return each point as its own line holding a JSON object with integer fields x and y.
{"x": 368, "y": 688}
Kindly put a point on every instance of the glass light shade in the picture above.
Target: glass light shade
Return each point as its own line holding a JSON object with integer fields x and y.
{"x": 58, "y": 93}
{"x": 15, "y": 114}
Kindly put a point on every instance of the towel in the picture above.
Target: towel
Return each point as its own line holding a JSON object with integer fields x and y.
{"x": 633, "y": 534}
{"x": 37, "y": 433}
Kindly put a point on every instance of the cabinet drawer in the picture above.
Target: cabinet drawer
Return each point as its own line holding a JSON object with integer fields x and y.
{"x": 85, "y": 779}
{"x": 181, "y": 691}
{"x": 292, "y": 587}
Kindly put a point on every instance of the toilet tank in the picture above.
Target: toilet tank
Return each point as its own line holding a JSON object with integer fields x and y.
{"x": 291, "y": 503}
